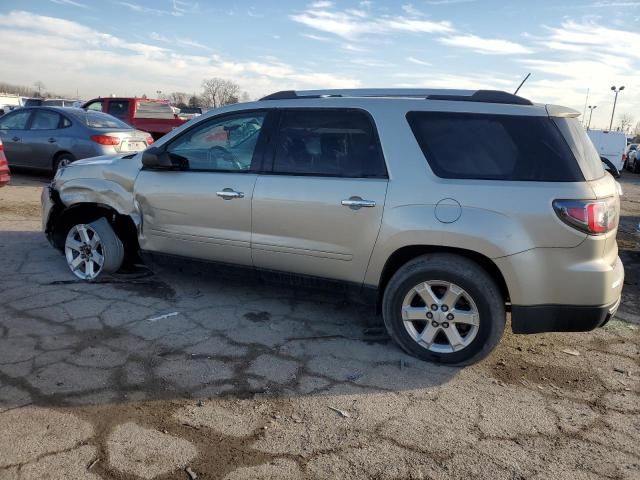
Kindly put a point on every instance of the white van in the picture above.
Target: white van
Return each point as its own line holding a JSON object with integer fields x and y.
{"x": 610, "y": 145}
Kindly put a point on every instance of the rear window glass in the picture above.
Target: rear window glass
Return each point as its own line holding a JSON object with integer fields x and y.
{"x": 103, "y": 120}
{"x": 582, "y": 147}
{"x": 154, "y": 110}
{"x": 495, "y": 147}
{"x": 119, "y": 108}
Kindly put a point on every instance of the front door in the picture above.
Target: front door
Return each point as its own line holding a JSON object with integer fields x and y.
{"x": 318, "y": 211}
{"x": 14, "y": 136}
{"x": 204, "y": 211}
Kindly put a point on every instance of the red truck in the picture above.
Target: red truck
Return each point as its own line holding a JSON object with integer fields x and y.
{"x": 153, "y": 116}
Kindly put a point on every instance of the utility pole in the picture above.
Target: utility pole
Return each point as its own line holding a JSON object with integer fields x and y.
{"x": 591, "y": 109}
{"x": 615, "y": 100}
{"x": 586, "y": 100}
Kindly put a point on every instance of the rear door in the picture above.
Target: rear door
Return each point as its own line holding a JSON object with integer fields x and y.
{"x": 204, "y": 211}
{"x": 47, "y": 137}
{"x": 13, "y": 133}
{"x": 318, "y": 209}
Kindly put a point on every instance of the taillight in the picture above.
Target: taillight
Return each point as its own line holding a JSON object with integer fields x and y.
{"x": 105, "y": 139}
{"x": 594, "y": 217}
{"x": 149, "y": 140}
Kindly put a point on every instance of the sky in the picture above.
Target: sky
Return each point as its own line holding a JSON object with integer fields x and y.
{"x": 97, "y": 48}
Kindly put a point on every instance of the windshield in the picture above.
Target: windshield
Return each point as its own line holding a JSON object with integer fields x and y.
{"x": 102, "y": 120}
{"x": 581, "y": 146}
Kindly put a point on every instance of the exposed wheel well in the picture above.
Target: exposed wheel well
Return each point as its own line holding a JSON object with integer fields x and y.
{"x": 123, "y": 225}
{"x": 405, "y": 254}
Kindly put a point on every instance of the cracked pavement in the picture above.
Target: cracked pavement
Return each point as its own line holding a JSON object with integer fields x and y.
{"x": 147, "y": 374}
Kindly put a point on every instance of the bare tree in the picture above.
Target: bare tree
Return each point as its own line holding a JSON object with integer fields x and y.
{"x": 624, "y": 122}
{"x": 194, "y": 101}
{"x": 244, "y": 97}
{"x": 40, "y": 86}
{"x": 179, "y": 99}
{"x": 218, "y": 92}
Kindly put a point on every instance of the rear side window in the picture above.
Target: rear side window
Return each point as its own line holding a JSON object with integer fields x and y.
{"x": 154, "y": 110}
{"x": 118, "y": 108}
{"x": 582, "y": 147}
{"x": 322, "y": 142}
{"x": 45, "y": 120}
{"x": 494, "y": 147}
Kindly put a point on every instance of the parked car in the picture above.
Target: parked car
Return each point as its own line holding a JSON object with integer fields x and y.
{"x": 187, "y": 113}
{"x": 5, "y": 173}
{"x": 153, "y": 116}
{"x": 368, "y": 189}
{"x": 32, "y": 102}
{"x": 48, "y": 138}
{"x": 630, "y": 157}
{"x": 59, "y": 102}
{"x": 610, "y": 145}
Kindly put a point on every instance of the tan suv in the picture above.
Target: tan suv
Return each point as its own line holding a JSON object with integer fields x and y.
{"x": 447, "y": 208}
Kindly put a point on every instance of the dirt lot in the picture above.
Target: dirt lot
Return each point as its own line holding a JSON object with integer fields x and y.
{"x": 164, "y": 374}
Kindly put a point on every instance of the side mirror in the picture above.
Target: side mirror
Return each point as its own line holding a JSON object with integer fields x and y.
{"x": 610, "y": 167}
{"x": 155, "y": 158}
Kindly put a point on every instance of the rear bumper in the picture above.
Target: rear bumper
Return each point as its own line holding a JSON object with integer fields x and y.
{"x": 560, "y": 318}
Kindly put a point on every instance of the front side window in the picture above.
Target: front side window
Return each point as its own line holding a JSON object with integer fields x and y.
{"x": 325, "y": 142}
{"x": 118, "y": 108}
{"x": 225, "y": 144}
{"x": 15, "y": 121}
{"x": 45, "y": 120}
{"x": 494, "y": 147}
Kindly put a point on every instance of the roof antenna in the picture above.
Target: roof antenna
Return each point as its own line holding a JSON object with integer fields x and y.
{"x": 520, "y": 86}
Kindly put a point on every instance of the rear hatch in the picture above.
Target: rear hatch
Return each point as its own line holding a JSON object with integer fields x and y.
{"x": 603, "y": 185}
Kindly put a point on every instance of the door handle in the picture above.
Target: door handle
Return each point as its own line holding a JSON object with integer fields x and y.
{"x": 51, "y": 140}
{"x": 356, "y": 203}
{"x": 16, "y": 139}
{"x": 229, "y": 194}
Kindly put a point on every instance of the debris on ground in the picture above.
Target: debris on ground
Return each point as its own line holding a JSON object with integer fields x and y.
{"x": 341, "y": 412}
{"x": 93, "y": 464}
{"x": 571, "y": 351}
{"x": 162, "y": 317}
{"x": 191, "y": 473}
{"x": 619, "y": 370}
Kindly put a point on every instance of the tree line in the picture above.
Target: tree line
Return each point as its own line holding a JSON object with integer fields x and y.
{"x": 216, "y": 92}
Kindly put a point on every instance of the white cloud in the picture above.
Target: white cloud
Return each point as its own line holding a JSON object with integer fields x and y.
{"x": 71, "y": 3}
{"x": 321, "y": 4}
{"x": 176, "y": 12}
{"x": 409, "y": 9}
{"x": 98, "y": 63}
{"x": 418, "y": 61}
{"x": 351, "y": 24}
{"x": 316, "y": 37}
{"x": 488, "y": 46}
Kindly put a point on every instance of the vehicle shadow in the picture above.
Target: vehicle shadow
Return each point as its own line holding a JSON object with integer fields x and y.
{"x": 170, "y": 333}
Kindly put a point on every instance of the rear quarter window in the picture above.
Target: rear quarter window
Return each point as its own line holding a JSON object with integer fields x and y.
{"x": 494, "y": 147}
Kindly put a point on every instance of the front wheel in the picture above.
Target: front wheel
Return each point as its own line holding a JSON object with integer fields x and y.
{"x": 444, "y": 308}
{"x": 93, "y": 249}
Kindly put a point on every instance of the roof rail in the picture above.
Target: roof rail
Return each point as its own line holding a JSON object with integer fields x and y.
{"x": 484, "y": 96}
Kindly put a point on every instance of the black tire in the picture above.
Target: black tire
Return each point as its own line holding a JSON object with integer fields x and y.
{"x": 462, "y": 272}
{"x": 636, "y": 167}
{"x": 62, "y": 159}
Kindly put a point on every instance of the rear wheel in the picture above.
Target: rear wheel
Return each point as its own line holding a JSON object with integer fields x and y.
{"x": 444, "y": 308}
{"x": 62, "y": 160}
{"x": 93, "y": 249}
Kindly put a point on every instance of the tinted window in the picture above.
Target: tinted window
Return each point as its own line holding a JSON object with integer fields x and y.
{"x": 118, "y": 108}
{"x": 45, "y": 120}
{"x": 33, "y": 102}
{"x": 103, "y": 120}
{"x": 495, "y": 147}
{"x": 339, "y": 143}
{"x": 16, "y": 120}
{"x": 582, "y": 147}
{"x": 225, "y": 144}
{"x": 95, "y": 106}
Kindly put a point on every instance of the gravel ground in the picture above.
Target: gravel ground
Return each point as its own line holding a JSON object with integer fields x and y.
{"x": 172, "y": 373}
